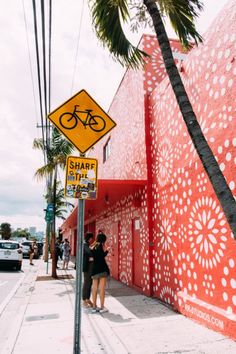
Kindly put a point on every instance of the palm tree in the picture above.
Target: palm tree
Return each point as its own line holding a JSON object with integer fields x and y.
{"x": 57, "y": 152}
{"x": 107, "y": 16}
{"x": 61, "y": 204}
{"x": 5, "y": 231}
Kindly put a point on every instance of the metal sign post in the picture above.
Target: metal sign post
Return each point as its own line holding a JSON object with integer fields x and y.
{"x": 83, "y": 122}
{"x": 81, "y": 183}
{"x": 78, "y": 283}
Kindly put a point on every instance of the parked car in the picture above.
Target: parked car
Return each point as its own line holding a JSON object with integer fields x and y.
{"x": 10, "y": 254}
{"x": 26, "y": 247}
{"x": 40, "y": 248}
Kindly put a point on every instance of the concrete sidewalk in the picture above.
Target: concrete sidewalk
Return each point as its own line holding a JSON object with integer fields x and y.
{"x": 134, "y": 324}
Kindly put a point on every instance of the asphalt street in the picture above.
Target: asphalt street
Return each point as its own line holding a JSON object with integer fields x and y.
{"x": 9, "y": 282}
{"x": 15, "y": 287}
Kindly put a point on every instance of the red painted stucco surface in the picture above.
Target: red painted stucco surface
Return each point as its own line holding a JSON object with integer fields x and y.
{"x": 125, "y": 211}
{"x": 188, "y": 252}
{"x": 194, "y": 251}
{"x": 128, "y": 152}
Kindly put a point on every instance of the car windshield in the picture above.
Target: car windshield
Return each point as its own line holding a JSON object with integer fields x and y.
{"x": 9, "y": 246}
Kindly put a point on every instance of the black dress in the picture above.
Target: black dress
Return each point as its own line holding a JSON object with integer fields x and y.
{"x": 100, "y": 268}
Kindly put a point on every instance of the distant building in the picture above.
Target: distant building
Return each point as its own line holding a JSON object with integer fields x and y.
{"x": 32, "y": 230}
{"x": 39, "y": 235}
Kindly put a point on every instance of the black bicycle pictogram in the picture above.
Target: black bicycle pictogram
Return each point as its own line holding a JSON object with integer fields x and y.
{"x": 70, "y": 120}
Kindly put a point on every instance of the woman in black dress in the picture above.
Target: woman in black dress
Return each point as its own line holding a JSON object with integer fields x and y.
{"x": 100, "y": 272}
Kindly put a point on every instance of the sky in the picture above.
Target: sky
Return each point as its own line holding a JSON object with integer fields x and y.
{"x": 78, "y": 62}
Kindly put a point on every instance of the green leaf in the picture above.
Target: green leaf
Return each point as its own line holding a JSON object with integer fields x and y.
{"x": 106, "y": 21}
{"x": 182, "y": 15}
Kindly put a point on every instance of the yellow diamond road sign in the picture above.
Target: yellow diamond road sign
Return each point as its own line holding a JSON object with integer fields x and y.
{"x": 82, "y": 121}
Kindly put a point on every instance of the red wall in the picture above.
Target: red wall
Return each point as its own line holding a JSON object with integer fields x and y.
{"x": 125, "y": 211}
{"x": 128, "y": 151}
{"x": 188, "y": 252}
{"x": 194, "y": 251}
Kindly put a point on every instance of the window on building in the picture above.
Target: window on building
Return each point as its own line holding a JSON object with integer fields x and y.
{"x": 107, "y": 150}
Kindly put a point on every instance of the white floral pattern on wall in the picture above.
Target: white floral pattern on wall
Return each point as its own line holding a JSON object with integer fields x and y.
{"x": 201, "y": 257}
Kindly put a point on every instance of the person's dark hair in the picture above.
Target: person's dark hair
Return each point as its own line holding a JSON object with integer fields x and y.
{"x": 88, "y": 236}
{"x": 101, "y": 238}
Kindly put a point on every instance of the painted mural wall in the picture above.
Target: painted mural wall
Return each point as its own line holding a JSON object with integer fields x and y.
{"x": 128, "y": 161}
{"x": 128, "y": 151}
{"x": 194, "y": 253}
{"x": 187, "y": 251}
{"x": 120, "y": 256}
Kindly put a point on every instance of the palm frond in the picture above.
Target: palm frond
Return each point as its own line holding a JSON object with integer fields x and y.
{"x": 106, "y": 20}
{"x": 61, "y": 204}
{"x": 44, "y": 171}
{"x": 38, "y": 144}
{"x": 182, "y": 15}
{"x": 60, "y": 146}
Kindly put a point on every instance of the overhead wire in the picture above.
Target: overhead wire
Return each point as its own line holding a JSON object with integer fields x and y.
{"x": 49, "y": 66}
{"x": 30, "y": 62}
{"x": 44, "y": 85}
{"x": 77, "y": 49}
{"x": 49, "y": 58}
{"x": 44, "y": 73}
{"x": 39, "y": 77}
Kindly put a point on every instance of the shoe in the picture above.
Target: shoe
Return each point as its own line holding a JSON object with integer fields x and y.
{"x": 31, "y": 263}
{"x": 95, "y": 310}
{"x": 103, "y": 310}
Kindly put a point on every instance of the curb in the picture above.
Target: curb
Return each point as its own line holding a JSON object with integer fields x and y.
{"x": 8, "y": 346}
{"x": 11, "y": 294}
{"x": 96, "y": 334}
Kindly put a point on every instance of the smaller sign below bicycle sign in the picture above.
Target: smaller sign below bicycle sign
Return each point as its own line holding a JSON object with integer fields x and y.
{"x": 81, "y": 178}
{"x": 82, "y": 121}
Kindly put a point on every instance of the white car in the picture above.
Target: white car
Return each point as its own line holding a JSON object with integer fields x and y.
{"x": 10, "y": 254}
{"x": 26, "y": 248}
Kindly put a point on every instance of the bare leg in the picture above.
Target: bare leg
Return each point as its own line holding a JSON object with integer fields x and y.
{"x": 102, "y": 286}
{"x": 31, "y": 256}
{"x": 95, "y": 292}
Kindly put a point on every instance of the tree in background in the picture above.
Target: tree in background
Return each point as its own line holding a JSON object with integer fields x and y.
{"x": 61, "y": 204}
{"x": 107, "y": 21}
{"x": 21, "y": 233}
{"x": 5, "y": 231}
{"x": 57, "y": 152}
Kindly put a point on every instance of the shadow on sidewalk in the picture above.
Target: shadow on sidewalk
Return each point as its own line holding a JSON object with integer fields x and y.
{"x": 139, "y": 305}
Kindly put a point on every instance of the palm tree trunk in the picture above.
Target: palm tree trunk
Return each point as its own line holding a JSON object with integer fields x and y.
{"x": 205, "y": 153}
